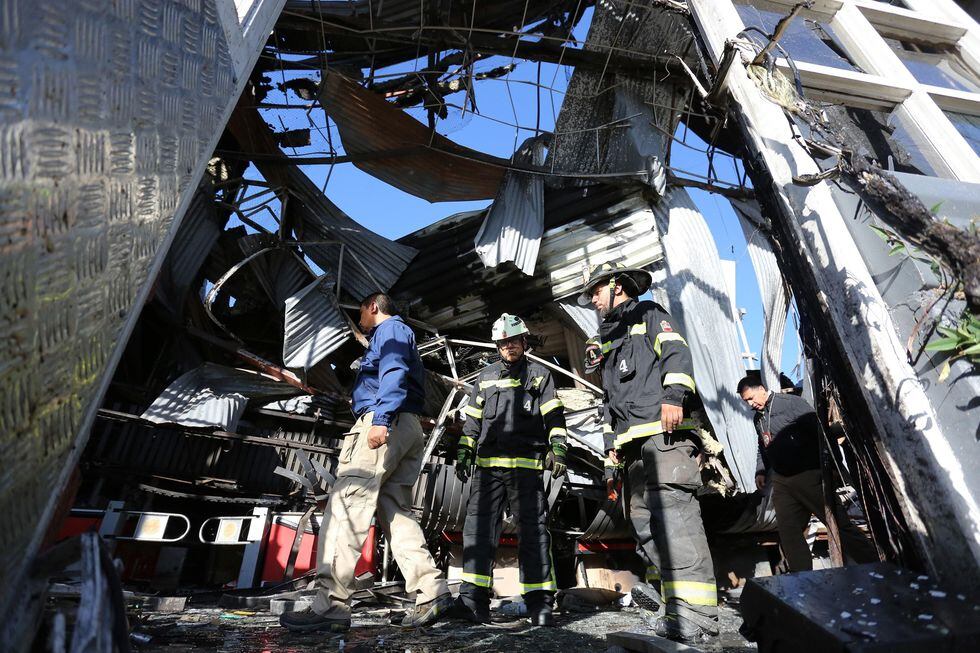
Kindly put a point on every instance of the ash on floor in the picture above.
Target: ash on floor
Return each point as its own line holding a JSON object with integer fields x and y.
{"x": 217, "y": 630}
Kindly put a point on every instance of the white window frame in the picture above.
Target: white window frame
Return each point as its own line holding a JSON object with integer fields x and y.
{"x": 887, "y": 83}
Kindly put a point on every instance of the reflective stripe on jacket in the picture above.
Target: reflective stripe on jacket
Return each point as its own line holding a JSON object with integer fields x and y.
{"x": 513, "y": 416}
{"x": 646, "y": 363}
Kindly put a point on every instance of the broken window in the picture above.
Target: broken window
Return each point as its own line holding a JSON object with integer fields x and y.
{"x": 888, "y": 137}
{"x": 968, "y": 126}
{"x": 934, "y": 64}
{"x": 809, "y": 37}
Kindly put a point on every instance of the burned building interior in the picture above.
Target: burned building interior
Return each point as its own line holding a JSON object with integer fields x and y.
{"x": 203, "y": 396}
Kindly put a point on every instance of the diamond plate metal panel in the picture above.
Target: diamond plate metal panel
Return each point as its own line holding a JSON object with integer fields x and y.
{"x": 107, "y": 113}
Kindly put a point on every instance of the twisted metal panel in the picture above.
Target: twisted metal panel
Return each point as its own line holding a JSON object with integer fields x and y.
{"x": 695, "y": 292}
{"x": 775, "y": 291}
{"x": 315, "y": 325}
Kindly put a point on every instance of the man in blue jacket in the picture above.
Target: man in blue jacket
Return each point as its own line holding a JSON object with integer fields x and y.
{"x": 378, "y": 466}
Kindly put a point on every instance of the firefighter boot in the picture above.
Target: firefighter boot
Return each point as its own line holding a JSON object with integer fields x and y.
{"x": 678, "y": 629}
{"x": 647, "y": 596}
{"x": 541, "y": 616}
{"x": 478, "y": 615}
{"x": 539, "y": 609}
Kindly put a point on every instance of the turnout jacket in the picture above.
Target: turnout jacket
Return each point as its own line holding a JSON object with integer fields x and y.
{"x": 646, "y": 363}
{"x": 513, "y": 416}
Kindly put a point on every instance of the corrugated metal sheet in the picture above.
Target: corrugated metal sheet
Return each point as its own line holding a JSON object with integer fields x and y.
{"x": 317, "y": 219}
{"x": 144, "y": 450}
{"x": 775, "y": 291}
{"x": 212, "y": 396}
{"x": 195, "y": 238}
{"x": 280, "y": 272}
{"x": 694, "y": 291}
{"x": 585, "y": 318}
{"x": 315, "y": 324}
{"x": 423, "y": 163}
{"x": 514, "y": 224}
{"x": 448, "y": 286}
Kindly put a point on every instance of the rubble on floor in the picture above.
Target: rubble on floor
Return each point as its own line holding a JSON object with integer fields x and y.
{"x": 210, "y": 628}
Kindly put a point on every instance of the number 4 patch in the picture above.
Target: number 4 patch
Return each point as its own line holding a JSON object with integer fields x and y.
{"x": 623, "y": 367}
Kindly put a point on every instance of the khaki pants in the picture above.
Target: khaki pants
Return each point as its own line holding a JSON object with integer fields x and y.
{"x": 373, "y": 481}
{"x": 795, "y": 498}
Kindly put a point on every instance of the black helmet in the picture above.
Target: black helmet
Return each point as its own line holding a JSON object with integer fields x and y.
{"x": 639, "y": 278}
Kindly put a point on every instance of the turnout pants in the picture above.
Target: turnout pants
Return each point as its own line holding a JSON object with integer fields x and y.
{"x": 523, "y": 490}
{"x": 795, "y": 498}
{"x": 663, "y": 475}
{"x": 368, "y": 481}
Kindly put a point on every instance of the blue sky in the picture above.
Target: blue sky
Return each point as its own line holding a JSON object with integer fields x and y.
{"x": 502, "y": 103}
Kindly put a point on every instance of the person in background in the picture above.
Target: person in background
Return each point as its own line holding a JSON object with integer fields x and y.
{"x": 789, "y": 450}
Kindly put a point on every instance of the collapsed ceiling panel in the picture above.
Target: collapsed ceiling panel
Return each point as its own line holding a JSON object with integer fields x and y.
{"x": 212, "y": 396}
{"x": 515, "y": 221}
{"x": 448, "y": 286}
{"x": 773, "y": 287}
{"x": 280, "y": 272}
{"x": 386, "y": 142}
{"x": 315, "y": 324}
{"x": 696, "y": 294}
{"x": 371, "y": 262}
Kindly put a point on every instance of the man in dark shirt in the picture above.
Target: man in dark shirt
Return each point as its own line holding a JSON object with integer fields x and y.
{"x": 789, "y": 447}
{"x": 379, "y": 465}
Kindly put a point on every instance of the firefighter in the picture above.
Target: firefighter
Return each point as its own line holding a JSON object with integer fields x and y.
{"x": 646, "y": 594}
{"x": 647, "y": 378}
{"x": 515, "y": 429}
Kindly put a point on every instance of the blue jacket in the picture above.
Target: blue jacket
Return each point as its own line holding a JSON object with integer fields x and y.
{"x": 391, "y": 378}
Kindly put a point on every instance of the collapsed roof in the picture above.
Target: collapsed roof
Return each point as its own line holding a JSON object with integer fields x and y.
{"x": 275, "y": 297}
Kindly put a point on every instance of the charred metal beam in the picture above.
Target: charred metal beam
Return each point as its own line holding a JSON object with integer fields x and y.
{"x": 119, "y": 416}
{"x": 510, "y": 44}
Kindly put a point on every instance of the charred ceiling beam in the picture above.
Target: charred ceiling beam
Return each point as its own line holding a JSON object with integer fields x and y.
{"x": 506, "y": 44}
{"x": 120, "y": 416}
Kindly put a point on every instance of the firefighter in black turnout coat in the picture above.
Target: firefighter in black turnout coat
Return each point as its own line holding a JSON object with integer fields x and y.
{"x": 515, "y": 429}
{"x": 647, "y": 378}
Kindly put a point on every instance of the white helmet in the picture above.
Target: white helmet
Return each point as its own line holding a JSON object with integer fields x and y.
{"x": 507, "y": 326}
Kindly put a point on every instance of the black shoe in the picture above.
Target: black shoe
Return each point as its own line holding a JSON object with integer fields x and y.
{"x": 678, "y": 630}
{"x": 428, "y": 613}
{"x": 541, "y": 617}
{"x": 307, "y": 621}
{"x": 462, "y": 611}
{"x": 647, "y": 597}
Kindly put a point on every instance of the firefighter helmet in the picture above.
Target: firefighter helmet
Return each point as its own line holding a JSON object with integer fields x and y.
{"x": 638, "y": 277}
{"x": 507, "y": 326}
{"x": 593, "y": 355}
